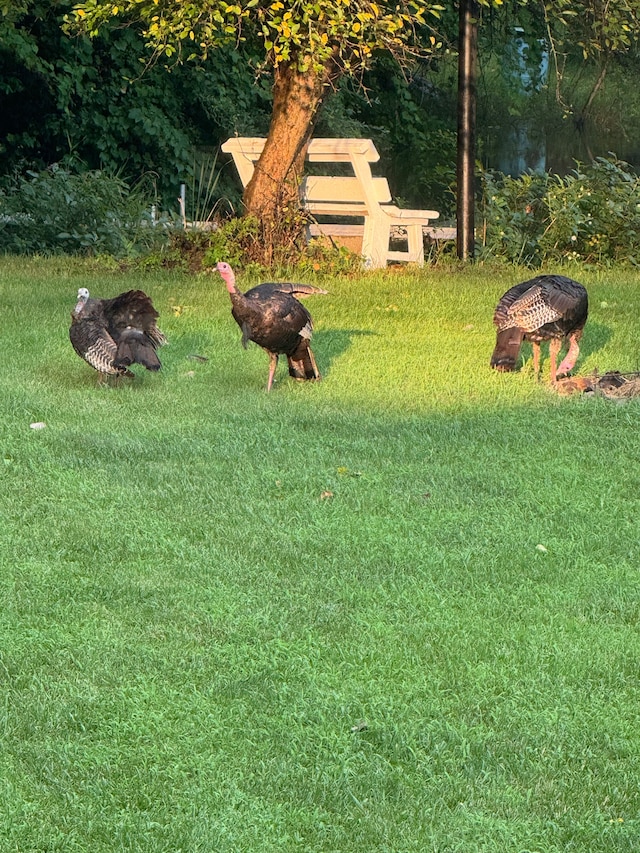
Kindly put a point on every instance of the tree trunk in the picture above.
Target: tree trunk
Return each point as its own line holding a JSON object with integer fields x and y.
{"x": 297, "y": 96}
{"x": 581, "y": 120}
{"x": 467, "y": 71}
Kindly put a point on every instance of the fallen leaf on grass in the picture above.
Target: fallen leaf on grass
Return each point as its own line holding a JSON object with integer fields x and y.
{"x": 325, "y": 495}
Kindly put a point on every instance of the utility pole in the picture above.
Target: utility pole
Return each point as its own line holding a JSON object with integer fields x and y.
{"x": 465, "y": 171}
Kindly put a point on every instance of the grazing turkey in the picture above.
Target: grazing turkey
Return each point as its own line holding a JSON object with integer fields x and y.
{"x": 112, "y": 334}
{"x": 546, "y": 308}
{"x": 272, "y": 317}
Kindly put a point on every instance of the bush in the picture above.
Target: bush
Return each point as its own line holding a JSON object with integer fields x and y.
{"x": 240, "y": 241}
{"x": 57, "y": 211}
{"x": 592, "y": 214}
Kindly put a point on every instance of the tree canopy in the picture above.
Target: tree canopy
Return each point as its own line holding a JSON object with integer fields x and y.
{"x": 307, "y": 32}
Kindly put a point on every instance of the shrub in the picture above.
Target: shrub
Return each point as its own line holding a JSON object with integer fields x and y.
{"x": 240, "y": 242}
{"x": 592, "y": 214}
{"x": 58, "y": 211}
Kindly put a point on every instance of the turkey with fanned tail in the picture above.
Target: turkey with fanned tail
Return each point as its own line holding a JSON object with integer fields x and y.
{"x": 271, "y": 316}
{"x": 113, "y": 334}
{"x": 546, "y": 308}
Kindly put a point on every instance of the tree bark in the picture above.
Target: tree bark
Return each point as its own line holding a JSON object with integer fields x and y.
{"x": 297, "y": 96}
{"x": 467, "y": 71}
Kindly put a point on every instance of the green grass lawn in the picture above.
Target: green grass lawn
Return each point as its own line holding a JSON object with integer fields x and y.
{"x": 393, "y": 611}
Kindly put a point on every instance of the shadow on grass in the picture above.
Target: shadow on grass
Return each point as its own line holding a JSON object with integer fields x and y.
{"x": 596, "y": 337}
{"x": 328, "y": 345}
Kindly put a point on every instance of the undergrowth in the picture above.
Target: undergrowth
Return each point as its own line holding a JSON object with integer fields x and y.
{"x": 591, "y": 215}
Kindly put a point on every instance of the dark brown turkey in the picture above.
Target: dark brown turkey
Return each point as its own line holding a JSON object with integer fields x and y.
{"x": 546, "y": 308}
{"x": 272, "y": 317}
{"x": 113, "y": 334}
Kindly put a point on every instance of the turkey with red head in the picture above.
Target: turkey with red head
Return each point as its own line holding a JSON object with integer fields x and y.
{"x": 546, "y": 308}
{"x": 271, "y": 316}
{"x": 113, "y": 334}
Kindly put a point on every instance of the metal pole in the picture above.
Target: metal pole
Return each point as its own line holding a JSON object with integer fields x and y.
{"x": 465, "y": 172}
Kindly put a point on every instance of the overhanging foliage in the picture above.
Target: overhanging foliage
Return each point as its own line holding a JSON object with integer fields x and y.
{"x": 308, "y": 32}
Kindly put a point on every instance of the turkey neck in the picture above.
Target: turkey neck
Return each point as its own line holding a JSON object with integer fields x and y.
{"x": 230, "y": 282}
{"x": 81, "y": 304}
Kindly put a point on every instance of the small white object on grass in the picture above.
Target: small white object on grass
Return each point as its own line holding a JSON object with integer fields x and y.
{"x": 541, "y": 548}
{"x": 38, "y": 425}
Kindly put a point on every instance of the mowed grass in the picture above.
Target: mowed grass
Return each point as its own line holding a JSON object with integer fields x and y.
{"x": 396, "y": 610}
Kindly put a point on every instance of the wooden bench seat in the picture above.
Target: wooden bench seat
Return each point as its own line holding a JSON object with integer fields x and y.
{"x": 331, "y": 199}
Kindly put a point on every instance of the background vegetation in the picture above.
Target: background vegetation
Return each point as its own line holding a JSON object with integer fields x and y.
{"x": 591, "y": 214}
{"x": 395, "y": 610}
{"x": 94, "y": 105}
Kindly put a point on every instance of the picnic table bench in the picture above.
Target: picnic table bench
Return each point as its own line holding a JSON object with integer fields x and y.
{"x": 333, "y": 200}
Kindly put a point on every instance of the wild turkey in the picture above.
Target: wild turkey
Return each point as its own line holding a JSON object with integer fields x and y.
{"x": 272, "y": 317}
{"x": 112, "y": 334}
{"x": 546, "y": 308}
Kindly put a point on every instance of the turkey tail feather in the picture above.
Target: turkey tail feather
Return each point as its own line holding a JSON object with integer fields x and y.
{"x": 134, "y": 348}
{"x": 507, "y": 349}
{"x": 302, "y": 363}
{"x": 299, "y": 290}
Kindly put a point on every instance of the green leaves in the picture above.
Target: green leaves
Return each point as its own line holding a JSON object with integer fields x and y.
{"x": 598, "y": 28}
{"x": 58, "y": 211}
{"x": 591, "y": 215}
{"x": 309, "y": 32}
